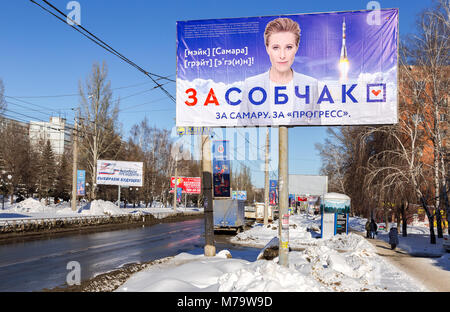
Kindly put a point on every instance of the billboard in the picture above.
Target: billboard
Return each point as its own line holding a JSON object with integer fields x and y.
{"x": 124, "y": 173}
{"x": 81, "y": 182}
{"x": 239, "y": 195}
{"x": 189, "y": 185}
{"x": 221, "y": 169}
{"x": 337, "y": 68}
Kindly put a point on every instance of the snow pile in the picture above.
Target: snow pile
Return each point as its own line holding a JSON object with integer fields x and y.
{"x": 29, "y": 205}
{"x": 101, "y": 207}
{"x": 185, "y": 272}
{"x": 342, "y": 263}
{"x": 300, "y": 233}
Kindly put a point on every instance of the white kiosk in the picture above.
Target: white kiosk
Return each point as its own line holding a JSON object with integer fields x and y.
{"x": 334, "y": 208}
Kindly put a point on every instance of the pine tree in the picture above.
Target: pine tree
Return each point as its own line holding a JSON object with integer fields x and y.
{"x": 46, "y": 172}
{"x": 63, "y": 175}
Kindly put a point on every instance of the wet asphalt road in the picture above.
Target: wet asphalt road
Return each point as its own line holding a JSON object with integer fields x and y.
{"x": 32, "y": 265}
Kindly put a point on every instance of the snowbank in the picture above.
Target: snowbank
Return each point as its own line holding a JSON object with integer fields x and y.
{"x": 101, "y": 207}
{"x": 29, "y": 205}
{"x": 341, "y": 263}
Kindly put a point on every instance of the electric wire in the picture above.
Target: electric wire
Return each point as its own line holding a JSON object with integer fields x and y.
{"x": 104, "y": 45}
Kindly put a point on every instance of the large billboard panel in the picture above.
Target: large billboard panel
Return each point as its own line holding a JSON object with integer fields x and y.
{"x": 189, "y": 185}
{"x": 124, "y": 173}
{"x": 336, "y": 68}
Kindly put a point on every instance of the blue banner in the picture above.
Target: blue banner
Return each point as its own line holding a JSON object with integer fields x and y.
{"x": 81, "y": 182}
{"x": 273, "y": 192}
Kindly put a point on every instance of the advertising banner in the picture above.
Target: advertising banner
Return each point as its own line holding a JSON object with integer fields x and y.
{"x": 221, "y": 169}
{"x": 221, "y": 178}
{"x": 179, "y": 194}
{"x": 189, "y": 185}
{"x": 273, "y": 192}
{"x": 341, "y": 223}
{"x": 124, "y": 173}
{"x": 81, "y": 182}
{"x": 239, "y": 195}
{"x": 337, "y": 68}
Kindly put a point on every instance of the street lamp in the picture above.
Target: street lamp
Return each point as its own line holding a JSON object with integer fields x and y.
{"x": 12, "y": 192}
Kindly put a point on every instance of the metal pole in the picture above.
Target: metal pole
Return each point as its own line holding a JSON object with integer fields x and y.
{"x": 118, "y": 197}
{"x": 75, "y": 164}
{"x": 210, "y": 248}
{"x": 266, "y": 182}
{"x": 283, "y": 184}
{"x": 175, "y": 187}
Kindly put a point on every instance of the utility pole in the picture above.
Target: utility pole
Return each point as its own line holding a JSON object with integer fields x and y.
{"x": 75, "y": 165}
{"x": 175, "y": 188}
{"x": 266, "y": 181}
{"x": 210, "y": 248}
{"x": 283, "y": 184}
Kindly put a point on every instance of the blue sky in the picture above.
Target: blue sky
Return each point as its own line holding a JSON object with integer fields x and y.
{"x": 41, "y": 56}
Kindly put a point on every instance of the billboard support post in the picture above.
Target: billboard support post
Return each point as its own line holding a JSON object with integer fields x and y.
{"x": 283, "y": 180}
{"x": 266, "y": 181}
{"x": 210, "y": 249}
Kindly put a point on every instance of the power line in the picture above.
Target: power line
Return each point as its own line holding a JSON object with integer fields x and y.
{"x": 104, "y": 45}
{"x": 77, "y": 94}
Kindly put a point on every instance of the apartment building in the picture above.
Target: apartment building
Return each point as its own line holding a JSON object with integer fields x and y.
{"x": 56, "y": 130}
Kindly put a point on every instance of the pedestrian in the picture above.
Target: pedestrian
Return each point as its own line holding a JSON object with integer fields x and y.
{"x": 367, "y": 227}
{"x": 393, "y": 237}
{"x": 373, "y": 228}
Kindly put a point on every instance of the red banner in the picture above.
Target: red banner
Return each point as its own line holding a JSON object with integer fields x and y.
{"x": 188, "y": 185}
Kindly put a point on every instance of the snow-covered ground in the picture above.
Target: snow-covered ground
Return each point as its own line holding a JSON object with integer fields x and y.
{"x": 33, "y": 209}
{"x": 341, "y": 263}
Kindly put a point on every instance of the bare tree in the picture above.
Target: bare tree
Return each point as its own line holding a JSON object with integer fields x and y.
{"x": 2, "y": 98}
{"x": 98, "y": 123}
{"x": 428, "y": 51}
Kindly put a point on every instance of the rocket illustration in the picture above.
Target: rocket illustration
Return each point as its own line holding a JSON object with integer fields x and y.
{"x": 344, "y": 47}
{"x": 343, "y": 61}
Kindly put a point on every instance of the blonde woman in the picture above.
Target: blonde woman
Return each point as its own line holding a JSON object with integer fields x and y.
{"x": 279, "y": 88}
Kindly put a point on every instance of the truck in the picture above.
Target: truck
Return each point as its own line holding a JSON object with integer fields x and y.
{"x": 229, "y": 215}
{"x": 259, "y": 207}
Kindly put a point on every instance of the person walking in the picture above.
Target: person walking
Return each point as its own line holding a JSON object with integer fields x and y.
{"x": 367, "y": 227}
{"x": 393, "y": 237}
{"x": 373, "y": 228}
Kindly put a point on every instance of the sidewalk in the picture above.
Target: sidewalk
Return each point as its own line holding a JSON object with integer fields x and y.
{"x": 422, "y": 269}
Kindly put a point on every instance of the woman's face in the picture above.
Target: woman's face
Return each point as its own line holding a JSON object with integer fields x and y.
{"x": 282, "y": 49}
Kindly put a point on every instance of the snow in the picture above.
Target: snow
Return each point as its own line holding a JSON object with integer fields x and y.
{"x": 341, "y": 263}
{"x": 34, "y": 209}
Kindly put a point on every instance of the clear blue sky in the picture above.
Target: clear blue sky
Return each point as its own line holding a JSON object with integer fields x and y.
{"x": 41, "y": 56}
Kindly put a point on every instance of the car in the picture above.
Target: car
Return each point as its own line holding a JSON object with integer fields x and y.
{"x": 446, "y": 243}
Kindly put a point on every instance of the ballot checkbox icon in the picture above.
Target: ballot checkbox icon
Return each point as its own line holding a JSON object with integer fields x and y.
{"x": 376, "y": 92}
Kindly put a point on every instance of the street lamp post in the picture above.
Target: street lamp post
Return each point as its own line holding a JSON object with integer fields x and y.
{"x": 12, "y": 189}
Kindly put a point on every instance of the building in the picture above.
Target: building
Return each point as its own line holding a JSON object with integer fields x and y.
{"x": 56, "y": 130}
{"x": 302, "y": 184}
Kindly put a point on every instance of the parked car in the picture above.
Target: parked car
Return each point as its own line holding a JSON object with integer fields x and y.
{"x": 446, "y": 243}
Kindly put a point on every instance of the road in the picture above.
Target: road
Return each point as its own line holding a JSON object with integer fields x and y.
{"x": 38, "y": 264}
